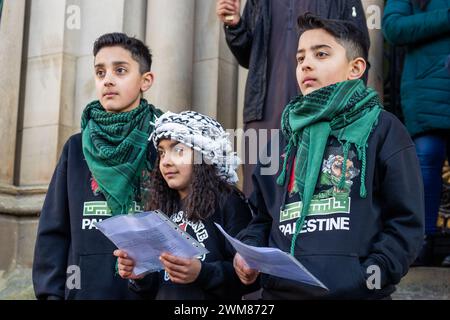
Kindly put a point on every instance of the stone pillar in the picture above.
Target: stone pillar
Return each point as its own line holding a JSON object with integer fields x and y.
{"x": 134, "y": 18}
{"x": 49, "y": 91}
{"x": 18, "y": 223}
{"x": 11, "y": 43}
{"x": 170, "y": 36}
{"x": 374, "y": 15}
{"x": 215, "y": 69}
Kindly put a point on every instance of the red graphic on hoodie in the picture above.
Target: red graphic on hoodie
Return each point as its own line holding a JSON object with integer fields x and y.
{"x": 292, "y": 177}
{"x": 94, "y": 186}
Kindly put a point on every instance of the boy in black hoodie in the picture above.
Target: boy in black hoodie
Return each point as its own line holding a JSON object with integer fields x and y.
{"x": 348, "y": 200}
{"x": 98, "y": 175}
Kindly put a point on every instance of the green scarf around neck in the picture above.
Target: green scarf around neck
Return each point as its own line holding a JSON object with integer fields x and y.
{"x": 115, "y": 149}
{"x": 347, "y": 110}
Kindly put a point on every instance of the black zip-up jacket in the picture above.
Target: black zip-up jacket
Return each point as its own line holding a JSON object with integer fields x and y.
{"x": 217, "y": 279}
{"x": 249, "y": 43}
{"x": 72, "y": 259}
{"x": 346, "y": 238}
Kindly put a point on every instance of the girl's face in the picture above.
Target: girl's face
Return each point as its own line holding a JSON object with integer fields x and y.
{"x": 176, "y": 165}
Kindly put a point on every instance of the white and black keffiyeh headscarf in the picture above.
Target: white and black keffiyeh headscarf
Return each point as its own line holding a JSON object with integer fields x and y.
{"x": 203, "y": 134}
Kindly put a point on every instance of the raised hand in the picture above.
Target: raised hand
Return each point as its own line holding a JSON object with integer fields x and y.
{"x": 228, "y": 11}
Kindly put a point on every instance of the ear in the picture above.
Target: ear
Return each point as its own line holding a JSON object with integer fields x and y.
{"x": 147, "y": 81}
{"x": 357, "y": 68}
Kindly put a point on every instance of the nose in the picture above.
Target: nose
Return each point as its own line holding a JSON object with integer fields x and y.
{"x": 108, "y": 80}
{"x": 307, "y": 63}
{"x": 166, "y": 160}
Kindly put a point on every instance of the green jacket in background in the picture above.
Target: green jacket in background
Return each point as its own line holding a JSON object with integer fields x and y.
{"x": 1, "y": 6}
{"x": 425, "y": 88}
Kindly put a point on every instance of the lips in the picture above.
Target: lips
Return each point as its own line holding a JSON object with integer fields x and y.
{"x": 308, "y": 80}
{"x": 170, "y": 174}
{"x": 109, "y": 94}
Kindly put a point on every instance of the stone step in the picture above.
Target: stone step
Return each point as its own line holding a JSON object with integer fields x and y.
{"x": 424, "y": 283}
{"x": 16, "y": 285}
{"x": 421, "y": 283}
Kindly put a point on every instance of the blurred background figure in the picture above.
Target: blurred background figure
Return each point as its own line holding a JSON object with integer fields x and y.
{"x": 444, "y": 210}
{"x": 264, "y": 40}
{"x": 1, "y": 6}
{"x": 423, "y": 26}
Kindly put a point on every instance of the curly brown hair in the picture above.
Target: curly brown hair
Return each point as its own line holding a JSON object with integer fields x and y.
{"x": 206, "y": 191}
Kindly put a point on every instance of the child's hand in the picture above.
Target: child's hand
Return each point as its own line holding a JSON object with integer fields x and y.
{"x": 181, "y": 270}
{"x": 125, "y": 265}
{"x": 247, "y": 275}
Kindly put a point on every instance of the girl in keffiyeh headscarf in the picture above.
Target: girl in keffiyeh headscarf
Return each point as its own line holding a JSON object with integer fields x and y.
{"x": 193, "y": 183}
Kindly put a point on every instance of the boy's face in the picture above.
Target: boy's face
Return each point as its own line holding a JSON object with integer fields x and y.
{"x": 118, "y": 80}
{"x": 322, "y": 61}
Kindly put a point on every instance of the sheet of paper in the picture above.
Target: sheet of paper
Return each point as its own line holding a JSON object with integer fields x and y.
{"x": 273, "y": 261}
{"x": 144, "y": 236}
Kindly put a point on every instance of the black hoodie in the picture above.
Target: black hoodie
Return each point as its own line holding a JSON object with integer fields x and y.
{"x": 346, "y": 239}
{"x": 68, "y": 244}
{"x": 217, "y": 279}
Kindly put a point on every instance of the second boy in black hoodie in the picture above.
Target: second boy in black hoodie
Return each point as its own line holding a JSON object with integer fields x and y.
{"x": 348, "y": 201}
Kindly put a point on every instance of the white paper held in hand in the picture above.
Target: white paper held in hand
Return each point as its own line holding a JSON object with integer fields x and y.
{"x": 273, "y": 261}
{"x": 144, "y": 236}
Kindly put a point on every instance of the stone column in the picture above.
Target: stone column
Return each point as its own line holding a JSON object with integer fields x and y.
{"x": 134, "y": 18}
{"x": 374, "y": 15}
{"x": 49, "y": 90}
{"x": 11, "y": 43}
{"x": 170, "y": 36}
{"x": 215, "y": 69}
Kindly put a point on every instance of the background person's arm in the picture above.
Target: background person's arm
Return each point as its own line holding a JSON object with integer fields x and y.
{"x": 402, "y": 27}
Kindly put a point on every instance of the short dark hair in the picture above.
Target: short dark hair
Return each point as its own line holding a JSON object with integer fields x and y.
{"x": 139, "y": 51}
{"x": 346, "y": 33}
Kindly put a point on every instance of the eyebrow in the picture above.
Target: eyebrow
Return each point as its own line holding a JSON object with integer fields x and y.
{"x": 115, "y": 63}
{"x": 316, "y": 47}
{"x": 171, "y": 145}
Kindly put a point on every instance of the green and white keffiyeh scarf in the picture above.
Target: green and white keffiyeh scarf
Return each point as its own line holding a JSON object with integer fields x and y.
{"x": 115, "y": 148}
{"x": 347, "y": 110}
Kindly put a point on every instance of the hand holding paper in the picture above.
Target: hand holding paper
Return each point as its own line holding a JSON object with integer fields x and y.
{"x": 145, "y": 236}
{"x": 246, "y": 274}
{"x": 273, "y": 261}
{"x": 125, "y": 265}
